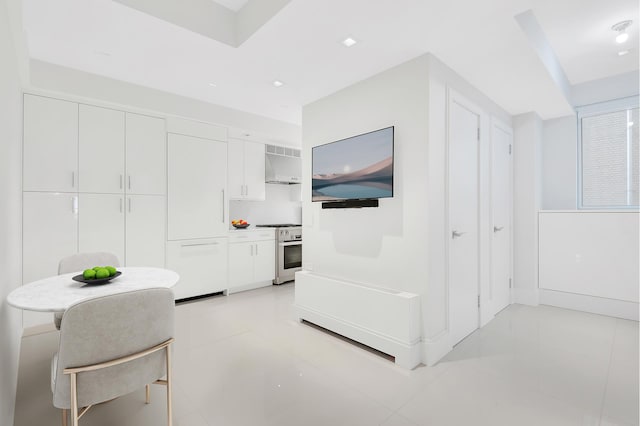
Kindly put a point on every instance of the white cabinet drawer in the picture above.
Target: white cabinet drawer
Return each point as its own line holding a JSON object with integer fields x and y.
{"x": 243, "y": 236}
{"x": 201, "y": 264}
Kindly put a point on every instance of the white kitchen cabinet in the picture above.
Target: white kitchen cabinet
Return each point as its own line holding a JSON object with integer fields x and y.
{"x": 146, "y": 160}
{"x": 246, "y": 170}
{"x": 101, "y": 224}
{"x": 50, "y": 145}
{"x": 197, "y": 178}
{"x": 145, "y": 230}
{"x": 201, "y": 264}
{"x": 50, "y": 232}
{"x": 251, "y": 259}
{"x": 101, "y": 150}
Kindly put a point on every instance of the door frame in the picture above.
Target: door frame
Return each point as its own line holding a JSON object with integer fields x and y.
{"x": 451, "y": 97}
{"x": 497, "y": 124}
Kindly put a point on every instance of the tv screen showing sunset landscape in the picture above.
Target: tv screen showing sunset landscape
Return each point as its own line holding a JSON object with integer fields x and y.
{"x": 360, "y": 167}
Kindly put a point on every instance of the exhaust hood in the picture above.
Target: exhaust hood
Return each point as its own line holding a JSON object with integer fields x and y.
{"x": 282, "y": 165}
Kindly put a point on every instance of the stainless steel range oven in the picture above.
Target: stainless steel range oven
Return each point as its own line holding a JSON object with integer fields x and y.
{"x": 288, "y": 251}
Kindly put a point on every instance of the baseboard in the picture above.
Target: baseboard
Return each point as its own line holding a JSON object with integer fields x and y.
{"x": 596, "y": 305}
{"x": 406, "y": 355}
{"x": 433, "y": 350}
{"x": 526, "y": 296}
{"x": 38, "y": 329}
{"x": 251, "y": 286}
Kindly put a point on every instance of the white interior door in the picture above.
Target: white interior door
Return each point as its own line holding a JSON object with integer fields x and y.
{"x": 501, "y": 181}
{"x": 464, "y": 122}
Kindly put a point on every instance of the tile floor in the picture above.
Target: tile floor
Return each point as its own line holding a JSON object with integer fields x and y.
{"x": 244, "y": 360}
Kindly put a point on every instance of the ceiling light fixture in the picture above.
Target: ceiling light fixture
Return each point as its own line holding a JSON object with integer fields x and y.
{"x": 278, "y": 83}
{"x": 621, "y": 29}
{"x": 348, "y": 42}
{"x": 623, "y": 52}
{"x": 213, "y": 85}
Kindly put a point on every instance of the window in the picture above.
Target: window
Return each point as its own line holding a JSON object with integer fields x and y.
{"x": 609, "y": 155}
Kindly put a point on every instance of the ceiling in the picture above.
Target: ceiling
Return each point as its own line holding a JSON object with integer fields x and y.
{"x": 300, "y": 45}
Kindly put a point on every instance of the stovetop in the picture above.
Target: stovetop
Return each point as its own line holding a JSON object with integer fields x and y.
{"x": 279, "y": 225}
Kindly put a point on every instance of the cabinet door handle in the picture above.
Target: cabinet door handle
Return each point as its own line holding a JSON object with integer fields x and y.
{"x": 256, "y": 249}
{"x": 74, "y": 205}
{"x": 129, "y": 179}
{"x": 120, "y": 205}
{"x": 199, "y": 244}
{"x": 223, "y": 206}
{"x": 498, "y": 228}
{"x": 246, "y": 190}
{"x": 251, "y": 249}
{"x": 129, "y": 205}
{"x": 456, "y": 234}
{"x": 73, "y": 179}
{"x": 121, "y": 178}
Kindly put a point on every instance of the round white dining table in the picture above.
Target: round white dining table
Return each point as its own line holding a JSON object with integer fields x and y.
{"x": 58, "y": 293}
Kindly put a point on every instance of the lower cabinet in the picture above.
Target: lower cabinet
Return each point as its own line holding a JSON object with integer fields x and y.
{"x": 201, "y": 264}
{"x": 145, "y": 226}
{"x": 57, "y": 225}
{"x": 251, "y": 259}
{"x": 101, "y": 224}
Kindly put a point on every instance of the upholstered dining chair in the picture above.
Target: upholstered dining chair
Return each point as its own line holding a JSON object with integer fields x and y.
{"x": 110, "y": 346}
{"x": 78, "y": 263}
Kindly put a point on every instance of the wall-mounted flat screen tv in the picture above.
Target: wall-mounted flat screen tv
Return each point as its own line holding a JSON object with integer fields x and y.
{"x": 356, "y": 168}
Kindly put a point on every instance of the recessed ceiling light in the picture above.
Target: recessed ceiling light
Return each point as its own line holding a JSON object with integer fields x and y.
{"x": 278, "y": 83}
{"x": 623, "y": 52}
{"x": 622, "y": 37}
{"x": 348, "y": 42}
{"x": 621, "y": 28}
{"x": 213, "y": 85}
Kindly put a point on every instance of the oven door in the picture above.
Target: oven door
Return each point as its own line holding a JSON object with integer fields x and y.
{"x": 289, "y": 260}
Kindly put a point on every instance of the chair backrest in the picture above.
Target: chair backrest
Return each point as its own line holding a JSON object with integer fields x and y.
{"x": 81, "y": 261}
{"x": 108, "y": 328}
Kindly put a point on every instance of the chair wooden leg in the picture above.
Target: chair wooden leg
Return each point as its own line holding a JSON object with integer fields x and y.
{"x": 169, "y": 407}
{"x": 64, "y": 417}
{"x": 147, "y": 390}
{"x": 74, "y": 400}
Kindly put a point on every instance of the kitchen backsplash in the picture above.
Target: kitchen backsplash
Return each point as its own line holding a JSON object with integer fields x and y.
{"x": 282, "y": 205}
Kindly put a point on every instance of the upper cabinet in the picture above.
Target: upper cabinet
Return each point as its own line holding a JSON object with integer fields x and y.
{"x": 246, "y": 170}
{"x": 196, "y": 188}
{"x": 146, "y": 156}
{"x": 50, "y": 145}
{"x": 101, "y": 153}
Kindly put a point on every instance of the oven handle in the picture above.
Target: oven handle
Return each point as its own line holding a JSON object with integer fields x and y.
{"x": 290, "y": 243}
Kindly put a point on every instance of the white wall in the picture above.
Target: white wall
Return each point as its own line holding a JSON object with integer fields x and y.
{"x": 402, "y": 244}
{"x": 385, "y": 246}
{"x": 559, "y": 163}
{"x": 606, "y": 89}
{"x": 281, "y": 205}
{"x": 527, "y": 186}
{"x": 10, "y": 216}
{"x": 68, "y": 82}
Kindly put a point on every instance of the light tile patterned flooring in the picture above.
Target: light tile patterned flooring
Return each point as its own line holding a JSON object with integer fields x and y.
{"x": 244, "y": 360}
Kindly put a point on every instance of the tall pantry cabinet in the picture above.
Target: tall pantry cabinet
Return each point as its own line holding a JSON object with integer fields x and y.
{"x": 197, "y": 213}
{"x": 94, "y": 179}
